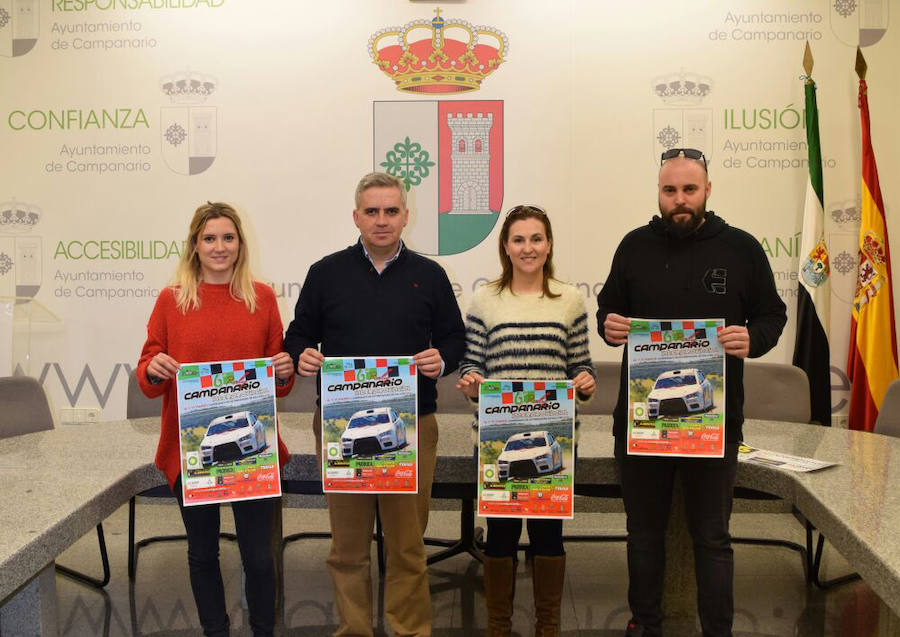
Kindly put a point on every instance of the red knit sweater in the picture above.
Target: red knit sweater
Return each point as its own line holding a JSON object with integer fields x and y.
{"x": 221, "y": 329}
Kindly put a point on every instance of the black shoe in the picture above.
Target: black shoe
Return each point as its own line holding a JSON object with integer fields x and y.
{"x": 634, "y": 629}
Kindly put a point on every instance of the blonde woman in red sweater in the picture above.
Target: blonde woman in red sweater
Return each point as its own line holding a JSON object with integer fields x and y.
{"x": 216, "y": 311}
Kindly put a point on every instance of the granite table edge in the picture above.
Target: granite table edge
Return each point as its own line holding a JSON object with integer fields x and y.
{"x": 43, "y": 549}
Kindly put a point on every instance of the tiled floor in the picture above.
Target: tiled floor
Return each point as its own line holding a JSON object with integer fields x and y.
{"x": 771, "y": 598}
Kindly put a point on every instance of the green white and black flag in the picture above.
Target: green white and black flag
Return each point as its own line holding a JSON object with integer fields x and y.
{"x": 811, "y": 352}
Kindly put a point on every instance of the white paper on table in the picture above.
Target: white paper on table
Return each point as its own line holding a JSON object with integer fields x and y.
{"x": 752, "y": 455}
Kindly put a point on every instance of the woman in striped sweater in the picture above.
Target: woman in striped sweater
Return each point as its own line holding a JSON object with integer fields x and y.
{"x": 526, "y": 325}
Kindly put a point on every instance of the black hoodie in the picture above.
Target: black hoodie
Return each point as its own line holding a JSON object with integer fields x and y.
{"x": 717, "y": 272}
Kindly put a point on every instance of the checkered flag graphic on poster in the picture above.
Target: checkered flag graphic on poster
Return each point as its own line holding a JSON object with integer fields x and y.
{"x": 369, "y": 425}
{"x": 526, "y": 432}
{"x": 228, "y": 431}
{"x": 676, "y": 385}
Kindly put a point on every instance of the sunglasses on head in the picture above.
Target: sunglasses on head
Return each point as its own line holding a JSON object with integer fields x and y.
{"x": 687, "y": 153}
{"x": 526, "y": 208}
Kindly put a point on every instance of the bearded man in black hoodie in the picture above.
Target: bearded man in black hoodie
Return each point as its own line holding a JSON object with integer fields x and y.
{"x": 687, "y": 263}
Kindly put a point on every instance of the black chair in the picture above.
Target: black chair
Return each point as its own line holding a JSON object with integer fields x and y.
{"x": 453, "y": 401}
{"x": 776, "y": 391}
{"x": 783, "y": 387}
{"x": 26, "y": 410}
{"x": 139, "y": 406}
{"x": 602, "y": 403}
{"x": 887, "y": 424}
{"x": 302, "y": 399}
{"x": 607, "y": 392}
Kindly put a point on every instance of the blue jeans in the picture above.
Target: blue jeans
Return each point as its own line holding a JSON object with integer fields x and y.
{"x": 647, "y": 492}
{"x": 253, "y": 527}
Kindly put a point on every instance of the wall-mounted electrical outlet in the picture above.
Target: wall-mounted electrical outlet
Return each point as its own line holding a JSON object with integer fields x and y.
{"x": 79, "y": 415}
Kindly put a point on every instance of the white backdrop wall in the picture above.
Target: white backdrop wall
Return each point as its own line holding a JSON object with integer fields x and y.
{"x": 284, "y": 129}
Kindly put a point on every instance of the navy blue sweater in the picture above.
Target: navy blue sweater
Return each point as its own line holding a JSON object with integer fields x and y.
{"x": 350, "y": 310}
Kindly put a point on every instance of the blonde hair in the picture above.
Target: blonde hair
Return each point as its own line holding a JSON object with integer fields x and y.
{"x": 186, "y": 281}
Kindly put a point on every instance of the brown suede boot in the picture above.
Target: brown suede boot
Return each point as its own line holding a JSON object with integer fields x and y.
{"x": 499, "y": 591}
{"x": 548, "y": 575}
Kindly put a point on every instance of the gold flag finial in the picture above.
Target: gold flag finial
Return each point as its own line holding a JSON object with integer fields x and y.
{"x": 861, "y": 65}
{"x": 808, "y": 62}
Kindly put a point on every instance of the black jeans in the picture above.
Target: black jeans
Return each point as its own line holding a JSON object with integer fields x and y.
{"x": 544, "y": 537}
{"x": 253, "y": 526}
{"x": 647, "y": 492}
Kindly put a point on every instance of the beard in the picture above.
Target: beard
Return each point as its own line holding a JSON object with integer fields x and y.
{"x": 682, "y": 228}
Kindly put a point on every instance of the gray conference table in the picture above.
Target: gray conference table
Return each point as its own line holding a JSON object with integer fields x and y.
{"x": 57, "y": 485}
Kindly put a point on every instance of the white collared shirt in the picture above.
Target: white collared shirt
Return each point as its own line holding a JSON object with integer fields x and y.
{"x": 387, "y": 262}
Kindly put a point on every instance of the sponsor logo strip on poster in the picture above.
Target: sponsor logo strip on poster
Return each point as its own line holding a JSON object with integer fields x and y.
{"x": 369, "y": 425}
{"x": 526, "y": 436}
{"x": 676, "y": 388}
{"x": 228, "y": 434}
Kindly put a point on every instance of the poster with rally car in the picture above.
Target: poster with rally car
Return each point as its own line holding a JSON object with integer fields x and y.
{"x": 526, "y": 460}
{"x": 228, "y": 433}
{"x": 676, "y": 388}
{"x": 369, "y": 425}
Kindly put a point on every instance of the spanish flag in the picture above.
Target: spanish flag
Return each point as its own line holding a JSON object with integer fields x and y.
{"x": 872, "y": 362}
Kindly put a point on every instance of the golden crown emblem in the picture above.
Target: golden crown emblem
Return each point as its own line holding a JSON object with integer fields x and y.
{"x": 438, "y": 55}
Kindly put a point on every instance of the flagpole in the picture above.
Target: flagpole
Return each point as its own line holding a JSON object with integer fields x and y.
{"x": 811, "y": 350}
{"x": 872, "y": 356}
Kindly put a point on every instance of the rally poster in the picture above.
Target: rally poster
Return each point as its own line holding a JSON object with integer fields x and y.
{"x": 369, "y": 425}
{"x": 676, "y": 388}
{"x": 228, "y": 433}
{"x": 526, "y": 437}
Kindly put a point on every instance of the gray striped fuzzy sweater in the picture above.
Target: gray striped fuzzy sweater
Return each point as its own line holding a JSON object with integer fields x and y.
{"x": 526, "y": 337}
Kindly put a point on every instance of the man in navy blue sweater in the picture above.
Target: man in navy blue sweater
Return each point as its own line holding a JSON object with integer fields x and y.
{"x": 687, "y": 263}
{"x": 378, "y": 298}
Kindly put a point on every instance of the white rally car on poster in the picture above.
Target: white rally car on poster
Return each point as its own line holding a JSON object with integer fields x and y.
{"x": 232, "y": 437}
{"x": 679, "y": 392}
{"x": 373, "y": 431}
{"x": 529, "y": 455}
